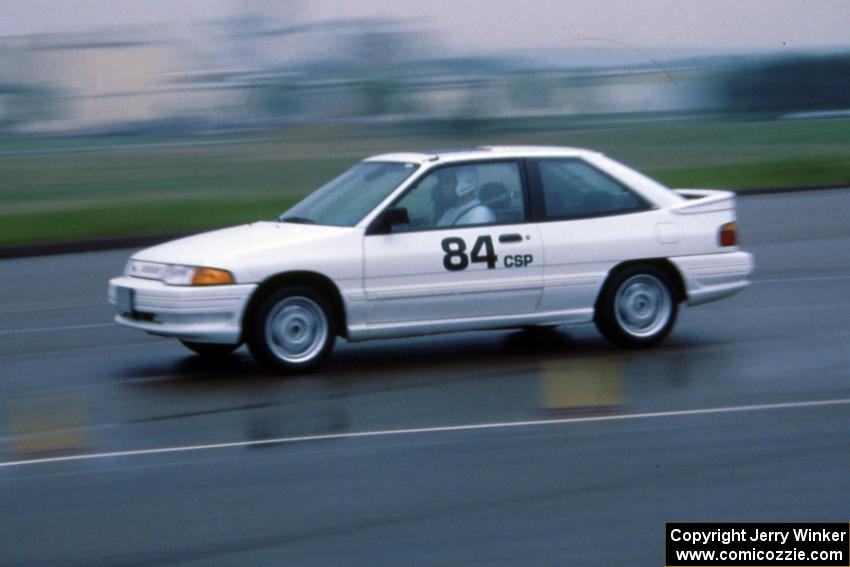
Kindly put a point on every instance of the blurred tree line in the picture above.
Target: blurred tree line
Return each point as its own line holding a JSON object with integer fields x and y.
{"x": 787, "y": 85}
{"x": 24, "y": 103}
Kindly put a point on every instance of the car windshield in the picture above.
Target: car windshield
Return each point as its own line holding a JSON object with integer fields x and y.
{"x": 346, "y": 199}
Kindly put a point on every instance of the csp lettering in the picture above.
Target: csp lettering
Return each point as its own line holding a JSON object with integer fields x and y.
{"x": 518, "y": 260}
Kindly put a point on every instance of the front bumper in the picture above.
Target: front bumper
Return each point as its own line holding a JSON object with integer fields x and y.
{"x": 208, "y": 314}
{"x": 709, "y": 277}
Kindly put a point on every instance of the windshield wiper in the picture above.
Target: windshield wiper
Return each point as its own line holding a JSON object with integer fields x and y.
{"x": 297, "y": 220}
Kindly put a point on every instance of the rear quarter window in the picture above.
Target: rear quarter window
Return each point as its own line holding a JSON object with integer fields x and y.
{"x": 573, "y": 188}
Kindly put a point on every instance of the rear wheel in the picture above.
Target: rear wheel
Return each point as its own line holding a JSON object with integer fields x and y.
{"x": 637, "y": 307}
{"x": 209, "y": 349}
{"x": 292, "y": 330}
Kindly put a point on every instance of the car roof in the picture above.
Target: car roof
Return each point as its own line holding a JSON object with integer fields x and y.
{"x": 447, "y": 155}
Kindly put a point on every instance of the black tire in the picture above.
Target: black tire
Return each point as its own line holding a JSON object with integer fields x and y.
{"x": 648, "y": 306}
{"x": 296, "y": 341}
{"x": 209, "y": 349}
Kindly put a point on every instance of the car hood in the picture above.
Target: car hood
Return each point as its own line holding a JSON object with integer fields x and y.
{"x": 226, "y": 248}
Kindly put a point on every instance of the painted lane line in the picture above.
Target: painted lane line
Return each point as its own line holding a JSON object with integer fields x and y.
{"x": 59, "y": 328}
{"x": 438, "y": 429}
{"x": 30, "y": 308}
{"x": 800, "y": 279}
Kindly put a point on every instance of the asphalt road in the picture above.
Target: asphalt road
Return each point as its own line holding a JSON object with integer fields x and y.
{"x": 576, "y": 453}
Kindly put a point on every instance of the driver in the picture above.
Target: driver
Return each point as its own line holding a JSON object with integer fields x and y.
{"x": 460, "y": 194}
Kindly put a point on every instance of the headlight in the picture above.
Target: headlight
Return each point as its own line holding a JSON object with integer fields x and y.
{"x": 188, "y": 275}
{"x": 173, "y": 274}
{"x": 147, "y": 270}
{"x": 178, "y": 275}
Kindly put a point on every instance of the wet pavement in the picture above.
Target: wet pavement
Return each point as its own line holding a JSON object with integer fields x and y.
{"x": 580, "y": 492}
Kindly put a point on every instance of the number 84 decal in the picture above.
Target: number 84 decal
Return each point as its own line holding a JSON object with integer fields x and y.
{"x": 456, "y": 258}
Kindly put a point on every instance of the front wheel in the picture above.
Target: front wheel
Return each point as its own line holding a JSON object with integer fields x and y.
{"x": 292, "y": 330}
{"x": 637, "y": 307}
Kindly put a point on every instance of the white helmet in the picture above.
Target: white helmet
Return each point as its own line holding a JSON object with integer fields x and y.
{"x": 467, "y": 180}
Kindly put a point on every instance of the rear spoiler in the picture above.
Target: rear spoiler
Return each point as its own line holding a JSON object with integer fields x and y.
{"x": 704, "y": 201}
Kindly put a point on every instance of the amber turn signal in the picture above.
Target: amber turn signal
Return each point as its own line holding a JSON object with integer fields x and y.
{"x": 211, "y": 276}
{"x": 729, "y": 234}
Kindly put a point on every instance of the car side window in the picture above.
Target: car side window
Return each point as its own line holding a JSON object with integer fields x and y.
{"x": 465, "y": 195}
{"x": 572, "y": 188}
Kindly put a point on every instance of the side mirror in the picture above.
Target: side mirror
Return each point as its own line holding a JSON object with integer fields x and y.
{"x": 392, "y": 216}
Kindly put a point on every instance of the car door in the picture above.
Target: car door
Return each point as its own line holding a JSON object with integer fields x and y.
{"x": 486, "y": 263}
{"x": 589, "y": 222}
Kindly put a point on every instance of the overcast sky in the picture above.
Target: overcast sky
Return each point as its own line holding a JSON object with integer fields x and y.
{"x": 489, "y": 24}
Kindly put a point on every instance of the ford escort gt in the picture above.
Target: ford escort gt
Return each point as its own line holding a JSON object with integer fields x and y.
{"x": 409, "y": 244}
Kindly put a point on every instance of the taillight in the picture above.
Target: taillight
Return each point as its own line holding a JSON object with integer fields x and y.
{"x": 729, "y": 234}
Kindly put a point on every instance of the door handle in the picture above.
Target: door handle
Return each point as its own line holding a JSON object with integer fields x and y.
{"x": 510, "y": 238}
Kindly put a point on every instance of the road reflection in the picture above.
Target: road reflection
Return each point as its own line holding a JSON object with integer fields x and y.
{"x": 592, "y": 384}
{"x": 46, "y": 425}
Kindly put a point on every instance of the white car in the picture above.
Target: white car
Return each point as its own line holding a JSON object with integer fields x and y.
{"x": 408, "y": 244}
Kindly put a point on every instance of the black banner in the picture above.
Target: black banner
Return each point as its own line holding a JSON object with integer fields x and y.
{"x": 757, "y": 544}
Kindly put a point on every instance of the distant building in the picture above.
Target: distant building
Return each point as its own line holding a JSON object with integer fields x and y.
{"x": 91, "y": 83}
